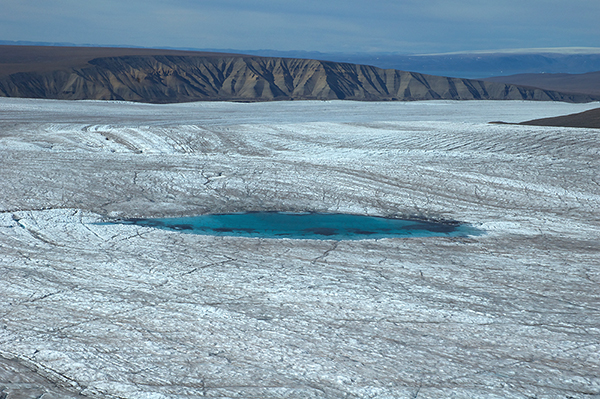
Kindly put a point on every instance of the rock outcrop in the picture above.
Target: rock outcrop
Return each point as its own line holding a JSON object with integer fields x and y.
{"x": 585, "y": 83}
{"x": 181, "y": 78}
{"x": 587, "y": 119}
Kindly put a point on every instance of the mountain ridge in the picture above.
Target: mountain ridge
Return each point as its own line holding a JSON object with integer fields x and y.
{"x": 169, "y": 77}
{"x": 585, "y": 83}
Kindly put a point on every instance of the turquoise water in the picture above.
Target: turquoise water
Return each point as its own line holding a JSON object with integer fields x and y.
{"x": 322, "y": 226}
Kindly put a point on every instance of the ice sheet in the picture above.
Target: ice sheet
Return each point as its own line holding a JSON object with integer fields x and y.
{"x": 134, "y": 312}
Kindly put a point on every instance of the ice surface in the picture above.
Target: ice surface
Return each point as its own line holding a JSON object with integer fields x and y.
{"x": 135, "y": 312}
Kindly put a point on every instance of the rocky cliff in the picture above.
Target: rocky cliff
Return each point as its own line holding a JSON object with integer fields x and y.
{"x": 181, "y": 78}
{"x": 587, "y": 119}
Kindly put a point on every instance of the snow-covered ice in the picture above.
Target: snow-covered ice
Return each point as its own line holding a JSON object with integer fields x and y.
{"x": 134, "y": 312}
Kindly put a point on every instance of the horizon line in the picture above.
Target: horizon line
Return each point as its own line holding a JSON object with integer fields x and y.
{"x": 533, "y": 50}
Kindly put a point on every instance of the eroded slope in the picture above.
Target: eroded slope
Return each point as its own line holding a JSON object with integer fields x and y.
{"x": 182, "y": 77}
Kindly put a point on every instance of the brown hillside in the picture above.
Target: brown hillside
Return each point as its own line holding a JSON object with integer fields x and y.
{"x": 588, "y": 119}
{"x": 163, "y": 76}
{"x": 585, "y": 83}
{"x": 15, "y": 59}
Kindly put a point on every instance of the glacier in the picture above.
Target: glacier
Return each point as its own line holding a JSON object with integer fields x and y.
{"x": 127, "y": 311}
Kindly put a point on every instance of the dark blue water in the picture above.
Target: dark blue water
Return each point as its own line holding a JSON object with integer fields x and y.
{"x": 323, "y": 226}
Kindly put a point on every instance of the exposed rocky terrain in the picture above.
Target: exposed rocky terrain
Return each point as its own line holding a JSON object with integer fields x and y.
{"x": 585, "y": 83}
{"x": 169, "y": 77}
{"x": 587, "y": 119}
{"x": 475, "y": 65}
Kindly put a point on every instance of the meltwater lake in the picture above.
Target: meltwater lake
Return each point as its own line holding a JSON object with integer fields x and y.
{"x": 321, "y": 226}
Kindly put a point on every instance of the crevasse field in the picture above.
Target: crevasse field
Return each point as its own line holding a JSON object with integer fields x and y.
{"x": 125, "y": 311}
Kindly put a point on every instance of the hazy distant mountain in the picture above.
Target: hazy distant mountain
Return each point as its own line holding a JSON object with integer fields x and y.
{"x": 472, "y": 65}
{"x": 166, "y": 76}
{"x": 588, "y": 83}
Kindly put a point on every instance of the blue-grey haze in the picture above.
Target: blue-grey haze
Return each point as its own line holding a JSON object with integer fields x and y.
{"x": 409, "y": 26}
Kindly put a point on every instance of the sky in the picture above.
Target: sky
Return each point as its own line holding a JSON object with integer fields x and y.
{"x": 349, "y": 26}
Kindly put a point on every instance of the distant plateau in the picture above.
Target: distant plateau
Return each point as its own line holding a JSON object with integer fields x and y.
{"x": 172, "y": 76}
